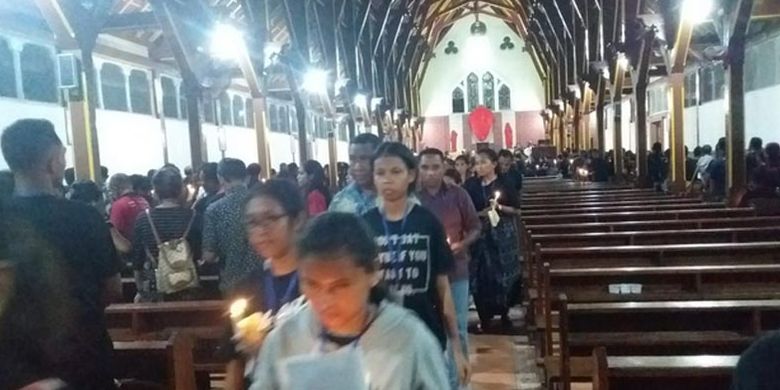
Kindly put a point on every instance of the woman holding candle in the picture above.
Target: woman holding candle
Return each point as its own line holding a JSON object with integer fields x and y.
{"x": 495, "y": 265}
{"x": 414, "y": 256}
{"x": 347, "y": 335}
{"x": 274, "y": 214}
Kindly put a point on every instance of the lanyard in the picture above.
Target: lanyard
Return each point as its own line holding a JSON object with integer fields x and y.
{"x": 272, "y": 303}
{"x": 395, "y": 248}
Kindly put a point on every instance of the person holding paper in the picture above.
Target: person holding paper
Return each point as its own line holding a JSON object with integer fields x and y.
{"x": 348, "y": 336}
{"x": 495, "y": 265}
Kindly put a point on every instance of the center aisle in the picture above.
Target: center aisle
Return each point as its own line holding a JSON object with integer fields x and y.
{"x": 503, "y": 361}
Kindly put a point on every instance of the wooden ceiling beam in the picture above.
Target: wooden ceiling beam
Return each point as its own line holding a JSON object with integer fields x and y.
{"x": 766, "y": 9}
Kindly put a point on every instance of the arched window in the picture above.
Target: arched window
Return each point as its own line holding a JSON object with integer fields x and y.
{"x": 274, "y": 118}
{"x": 225, "y": 113}
{"x": 238, "y": 111}
{"x": 293, "y": 121}
{"x": 284, "y": 120}
{"x": 504, "y": 98}
{"x": 114, "y": 87}
{"x": 472, "y": 89}
{"x": 38, "y": 75}
{"x": 170, "y": 109}
{"x": 7, "y": 71}
{"x": 183, "y": 102}
{"x": 140, "y": 93}
{"x": 250, "y": 113}
{"x": 209, "y": 112}
{"x": 457, "y": 101}
{"x": 488, "y": 91}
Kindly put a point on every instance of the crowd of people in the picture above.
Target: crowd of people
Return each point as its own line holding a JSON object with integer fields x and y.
{"x": 379, "y": 274}
{"x": 369, "y": 286}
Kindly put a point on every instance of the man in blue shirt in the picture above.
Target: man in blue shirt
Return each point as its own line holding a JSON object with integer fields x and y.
{"x": 360, "y": 195}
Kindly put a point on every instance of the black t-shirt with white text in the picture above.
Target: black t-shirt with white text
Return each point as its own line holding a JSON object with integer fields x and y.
{"x": 411, "y": 259}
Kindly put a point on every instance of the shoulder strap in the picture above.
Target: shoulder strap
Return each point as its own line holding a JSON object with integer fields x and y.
{"x": 189, "y": 225}
{"x": 154, "y": 229}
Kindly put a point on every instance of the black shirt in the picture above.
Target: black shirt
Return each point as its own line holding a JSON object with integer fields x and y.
{"x": 481, "y": 195}
{"x": 513, "y": 178}
{"x": 423, "y": 256}
{"x": 171, "y": 223}
{"x": 83, "y": 254}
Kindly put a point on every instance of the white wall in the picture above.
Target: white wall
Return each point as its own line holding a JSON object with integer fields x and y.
{"x": 513, "y": 67}
{"x": 13, "y": 110}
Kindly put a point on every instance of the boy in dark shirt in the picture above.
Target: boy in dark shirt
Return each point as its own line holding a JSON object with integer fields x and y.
{"x": 79, "y": 241}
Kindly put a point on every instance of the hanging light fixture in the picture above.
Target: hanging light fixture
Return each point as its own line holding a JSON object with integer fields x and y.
{"x": 478, "y": 28}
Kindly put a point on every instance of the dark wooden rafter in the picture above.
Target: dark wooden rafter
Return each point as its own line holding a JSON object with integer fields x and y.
{"x": 295, "y": 19}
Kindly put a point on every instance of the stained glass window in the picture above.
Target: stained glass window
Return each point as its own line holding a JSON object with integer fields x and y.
{"x": 488, "y": 91}
{"x": 472, "y": 88}
{"x": 457, "y": 100}
{"x": 504, "y": 98}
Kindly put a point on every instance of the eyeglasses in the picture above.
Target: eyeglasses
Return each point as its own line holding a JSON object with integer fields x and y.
{"x": 265, "y": 222}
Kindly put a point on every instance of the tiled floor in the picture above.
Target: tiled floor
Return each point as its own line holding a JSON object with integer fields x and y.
{"x": 503, "y": 361}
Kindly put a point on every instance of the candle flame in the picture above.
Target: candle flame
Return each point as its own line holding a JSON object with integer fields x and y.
{"x": 498, "y": 194}
{"x": 238, "y": 308}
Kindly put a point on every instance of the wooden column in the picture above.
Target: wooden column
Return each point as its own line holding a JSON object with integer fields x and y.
{"x": 261, "y": 132}
{"x": 735, "y": 130}
{"x": 561, "y": 131}
{"x": 81, "y": 100}
{"x": 677, "y": 112}
{"x": 617, "y": 110}
{"x": 577, "y": 125}
{"x": 640, "y": 100}
{"x": 333, "y": 159}
{"x": 194, "y": 125}
{"x": 640, "y": 105}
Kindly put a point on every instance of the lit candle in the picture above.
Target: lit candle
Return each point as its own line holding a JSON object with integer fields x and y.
{"x": 497, "y": 195}
{"x": 237, "y": 309}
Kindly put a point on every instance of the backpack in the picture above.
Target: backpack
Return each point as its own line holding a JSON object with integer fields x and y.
{"x": 175, "y": 268}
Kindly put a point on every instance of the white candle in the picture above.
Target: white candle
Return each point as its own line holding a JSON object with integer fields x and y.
{"x": 237, "y": 309}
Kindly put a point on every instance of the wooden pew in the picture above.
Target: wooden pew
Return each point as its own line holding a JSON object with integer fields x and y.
{"x": 648, "y": 256}
{"x": 654, "y": 200}
{"x": 533, "y": 198}
{"x": 204, "y": 321}
{"x": 209, "y": 285}
{"x": 661, "y": 255}
{"x": 622, "y": 226}
{"x": 638, "y": 216}
{"x": 707, "y": 282}
{"x": 641, "y": 330}
{"x": 577, "y": 188}
{"x": 657, "y": 237}
{"x": 688, "y": 372}
{"x": 166, "y": 363}
{"x": 621, "y": 209}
